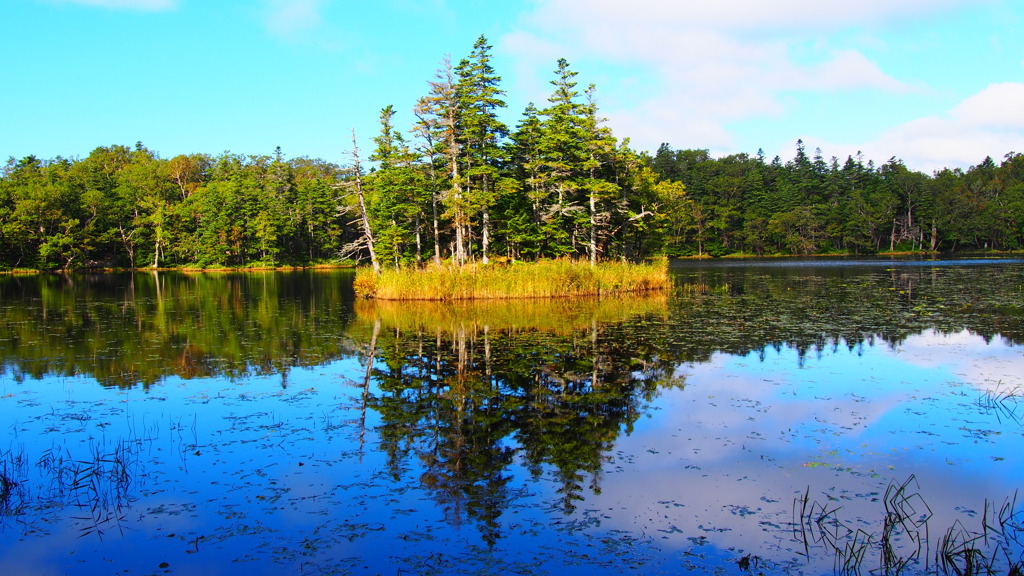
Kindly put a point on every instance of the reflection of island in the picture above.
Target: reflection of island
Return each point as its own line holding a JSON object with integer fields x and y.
{"x": 126, "y": 329}
{"x": 464, "y": 389}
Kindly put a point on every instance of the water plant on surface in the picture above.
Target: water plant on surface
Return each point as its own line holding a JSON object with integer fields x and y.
{"x": 1003, "y": 401}
{"x": 100, "y": 484}
{"x": 903, "y": 544}
{"x": 12, "y": 490}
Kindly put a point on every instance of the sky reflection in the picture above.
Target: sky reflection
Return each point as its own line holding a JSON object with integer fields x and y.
{"x": 726, "y": 457}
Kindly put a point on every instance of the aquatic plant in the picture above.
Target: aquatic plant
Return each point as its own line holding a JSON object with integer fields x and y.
{"x": 100, "y": 484}
{"x": 12, "y": 491}
{"x": 903, "y": 543}
{"x": 1003, "y": 401}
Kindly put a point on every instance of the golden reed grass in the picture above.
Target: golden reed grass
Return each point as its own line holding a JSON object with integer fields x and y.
{"x": 560, "y": 278}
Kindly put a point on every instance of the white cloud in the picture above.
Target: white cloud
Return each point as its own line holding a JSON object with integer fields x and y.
{"x": 991, "y": 120}
{"x": 997, "y": 107}
{"x": 703, "y": 67}
{"x": 735, "y": 15}
{"x": 987, "y": 365}
{"x": 144, "y": 5}
{"x": 291, "y": 18}
{"x": 850, "y": 70}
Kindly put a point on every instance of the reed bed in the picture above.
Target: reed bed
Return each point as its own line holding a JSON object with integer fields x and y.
{"x": 543, "y": 279}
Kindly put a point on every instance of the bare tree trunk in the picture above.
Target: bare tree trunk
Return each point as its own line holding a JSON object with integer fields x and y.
{"x": 593, "y": 230}
{"x": 364, "y": 216}
{"x": 460, "y": 225}
{"x": 487, "y": 233}
{"x": 437, "y": 234}
{"x": 419, "y": 241}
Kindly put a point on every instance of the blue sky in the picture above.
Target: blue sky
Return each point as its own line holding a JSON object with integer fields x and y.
{"x": 934, "y": 82}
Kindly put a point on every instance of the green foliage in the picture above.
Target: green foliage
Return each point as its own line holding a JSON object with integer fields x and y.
{"x": 741, "y": 204}
{"x": 465, "y": 187}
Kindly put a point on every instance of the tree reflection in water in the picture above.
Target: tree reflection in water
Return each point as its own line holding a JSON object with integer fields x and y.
{"x": 467, "y": 388}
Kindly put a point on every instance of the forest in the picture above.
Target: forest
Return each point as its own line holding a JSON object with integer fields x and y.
{"x": 461, "y": 185}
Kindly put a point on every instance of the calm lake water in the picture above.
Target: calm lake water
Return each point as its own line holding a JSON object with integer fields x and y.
{"x": 768, "y": 417}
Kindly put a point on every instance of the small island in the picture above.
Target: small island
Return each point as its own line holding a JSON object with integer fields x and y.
{"x": 542, "y": 279}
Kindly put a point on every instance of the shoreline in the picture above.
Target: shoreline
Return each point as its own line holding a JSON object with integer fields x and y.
{"x": 351, "y": 266}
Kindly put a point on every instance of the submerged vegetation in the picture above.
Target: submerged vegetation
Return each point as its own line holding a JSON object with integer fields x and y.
{"x": 542, "y": 279}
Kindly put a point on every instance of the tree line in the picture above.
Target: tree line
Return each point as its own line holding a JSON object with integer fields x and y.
{"x": 742, "y": 203}
{"x": 461, "y": 185}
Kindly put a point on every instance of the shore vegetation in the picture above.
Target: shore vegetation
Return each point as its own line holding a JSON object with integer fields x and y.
{"x": 542, "y": 279}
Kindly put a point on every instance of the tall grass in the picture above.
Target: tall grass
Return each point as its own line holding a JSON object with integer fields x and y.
{"x": 543, "y": 279}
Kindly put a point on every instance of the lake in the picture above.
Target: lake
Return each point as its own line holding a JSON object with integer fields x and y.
{"x": 768, "y": 417}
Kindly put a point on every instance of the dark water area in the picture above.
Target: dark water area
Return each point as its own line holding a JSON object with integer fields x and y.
{"x": 768, "y": 417}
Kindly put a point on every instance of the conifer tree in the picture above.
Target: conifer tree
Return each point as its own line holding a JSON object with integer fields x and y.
{"x": 480, "y": 134}
{"x": 438, "y": 114}
{"x": 397, "y": 192}
{"x": 562, "y": 153}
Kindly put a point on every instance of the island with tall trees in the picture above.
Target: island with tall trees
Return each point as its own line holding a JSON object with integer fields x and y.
{"x": 463, "y": 188}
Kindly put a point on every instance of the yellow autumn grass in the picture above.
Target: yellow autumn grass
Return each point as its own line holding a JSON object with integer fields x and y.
{"x": 562, "y": 278}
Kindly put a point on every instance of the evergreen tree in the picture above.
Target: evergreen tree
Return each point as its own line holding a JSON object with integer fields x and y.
{"x": 480, "y": 134}
{"x": 563, "y": 153}
{"x": 397, "y": 190}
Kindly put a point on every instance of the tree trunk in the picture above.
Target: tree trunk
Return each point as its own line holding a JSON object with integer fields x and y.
{"x": 593, "y": 230}
{"x": 364, "y": 216}
{"x": 486, "y": 240}
{"x": 437, "y": 233}
{"x": 419, "y": 240}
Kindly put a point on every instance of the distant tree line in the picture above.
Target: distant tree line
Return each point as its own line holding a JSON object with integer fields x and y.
{"x": 808, "y": 205}
{"x": 463, "y": 186}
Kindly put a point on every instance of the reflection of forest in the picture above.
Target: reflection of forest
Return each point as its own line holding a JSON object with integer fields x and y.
{"x": 749, "y": 308}
{"x": 126, "y": 329}
{"x": 465, "y": 391}
{"x": 461, "y": 399}
{"x": 131, "y": 328}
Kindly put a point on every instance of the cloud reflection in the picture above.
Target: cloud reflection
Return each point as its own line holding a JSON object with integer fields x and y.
{"x": 727, "y": 456}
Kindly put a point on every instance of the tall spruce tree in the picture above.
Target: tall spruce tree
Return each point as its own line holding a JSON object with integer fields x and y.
{"x": 563, "y": 153}
{"x": 438, "y": 115}
{"x": 397, "y": 192}
{"x": 480, "y": 135}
